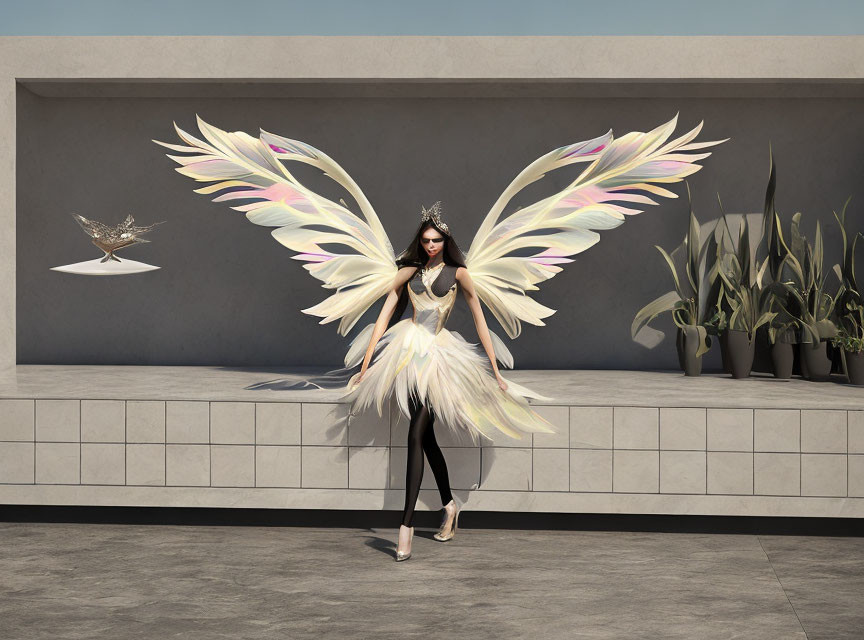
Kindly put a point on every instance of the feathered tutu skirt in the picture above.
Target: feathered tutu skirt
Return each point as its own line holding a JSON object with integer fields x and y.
{"x": 447, "y": 374}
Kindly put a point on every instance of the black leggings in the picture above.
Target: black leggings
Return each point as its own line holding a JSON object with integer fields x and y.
{"x": 421, "y": 438}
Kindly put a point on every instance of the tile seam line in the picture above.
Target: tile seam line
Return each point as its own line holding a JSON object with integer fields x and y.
{"x": 783, "y": 407}
{"x": 34, "y": 442}
{"x": 779, "y": 582}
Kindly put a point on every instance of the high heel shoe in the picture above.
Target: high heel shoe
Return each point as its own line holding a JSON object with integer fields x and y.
{"x": 404, "y": 556}
{"x": 446, "y": 533}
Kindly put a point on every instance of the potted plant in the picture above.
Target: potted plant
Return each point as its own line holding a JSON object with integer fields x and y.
{"x": 782, "y": 335}
{"x": 718, "y": 326}
{"x": 850, "y": 339}
{"x": 689, "y": 303}
{"x": 850, "y": 309}
{"x": 749, "y": 305}
{"x": 812, "y": 306}
{"x": 783, "y": 327}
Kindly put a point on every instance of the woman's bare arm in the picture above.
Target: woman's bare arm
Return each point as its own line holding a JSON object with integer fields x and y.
{"x": 402, "y": 276}
{"x": 479, "y": 320}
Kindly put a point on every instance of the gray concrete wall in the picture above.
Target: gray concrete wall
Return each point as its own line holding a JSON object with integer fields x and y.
{"x": 786, "y": 60}
{"x": 229, "y": 294}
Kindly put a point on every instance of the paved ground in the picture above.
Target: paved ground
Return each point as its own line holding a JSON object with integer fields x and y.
{"x": 118, "y": 581}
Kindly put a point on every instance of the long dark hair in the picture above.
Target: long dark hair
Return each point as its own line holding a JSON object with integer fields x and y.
{"x": 415, "y": 256}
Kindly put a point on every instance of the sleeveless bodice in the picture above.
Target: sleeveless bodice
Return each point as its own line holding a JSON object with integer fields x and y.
{"x": 433, "y": 300}
{"x": 417, "y": 359}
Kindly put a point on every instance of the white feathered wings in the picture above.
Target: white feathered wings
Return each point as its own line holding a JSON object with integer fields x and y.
{"x": 627, "y": 170}
{"x": 246, "y": 168}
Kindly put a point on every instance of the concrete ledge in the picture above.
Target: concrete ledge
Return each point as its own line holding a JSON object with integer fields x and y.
{"x": 608, "y": 388}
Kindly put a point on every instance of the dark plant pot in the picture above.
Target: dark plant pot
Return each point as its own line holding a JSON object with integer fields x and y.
{"x": 679, "y": 347}
{"x": 855, "y": 367}
{"x": 762, "y": 360}
{"x": 815, "y": 363}
{"x": 741, "y": 350}
{"x": 782, "y": 359}
{"x": 836, "y": 354}
{"x": 724, "y": 351}
{"x": 802, "y": 361}
{"x": 687, "y": 343}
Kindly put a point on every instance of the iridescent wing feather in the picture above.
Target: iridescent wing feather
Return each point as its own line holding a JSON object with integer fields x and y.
{"x": 510, "y": 256}
{"x": 246, "y": 168}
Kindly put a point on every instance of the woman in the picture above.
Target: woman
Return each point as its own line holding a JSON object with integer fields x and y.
{"x": 417, "y": 355}
{"x": 435, "y": 374}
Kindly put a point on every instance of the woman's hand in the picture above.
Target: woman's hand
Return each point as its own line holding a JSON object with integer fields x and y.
{"x": 501, "y": 383}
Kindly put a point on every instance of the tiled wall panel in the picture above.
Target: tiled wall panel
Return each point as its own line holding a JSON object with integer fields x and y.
{"x": 812, "y": 454}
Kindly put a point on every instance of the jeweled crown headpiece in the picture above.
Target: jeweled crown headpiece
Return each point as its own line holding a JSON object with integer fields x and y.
{"x": 434, "y": 213}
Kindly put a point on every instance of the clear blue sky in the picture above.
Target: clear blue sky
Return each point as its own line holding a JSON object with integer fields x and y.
{"x": 431, "y": 17}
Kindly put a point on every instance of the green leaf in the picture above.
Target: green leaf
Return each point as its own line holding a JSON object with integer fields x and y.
{"x": 693, "y": 247}
{"x": 698, "y": 333}
{"x": 791, "y": 262}
{"x": 826, "y": 329}
{"x": 818, "y": 254}
{"x": 763, "y": 319}
{"x": 744, "y": 261}
{"x": 704, "y": 342}
{"x": 672, "y": 268}
{"x": 769, "y": 218}
{"x": 795, "y": 293}
{"x": 840, "y": 221}
{"x": 646, "y": 314}
{"x": 797, "y": 242}
{"x": 761, "y": 273}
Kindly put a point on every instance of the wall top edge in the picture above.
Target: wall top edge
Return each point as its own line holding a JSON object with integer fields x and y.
{"x": 395, "y": 88}
{"x": 437, "y": 81}
{"x": 420, "y": 38}
{"x": 433, "y": 57}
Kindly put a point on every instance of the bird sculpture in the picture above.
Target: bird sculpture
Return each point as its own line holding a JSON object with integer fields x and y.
{"x": 110, "y": 239}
